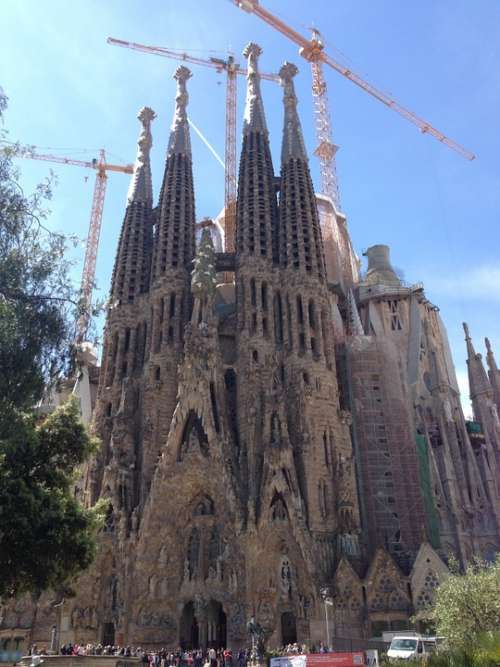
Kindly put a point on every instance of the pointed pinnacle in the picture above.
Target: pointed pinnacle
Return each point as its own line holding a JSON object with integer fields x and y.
{"x": 488, "y": 344}
{"x": 179, "y": 141}
{"x": 254, "y": 118}
{"x": 466, "y": 329}
{"x": 293, "y": 141}
{"x": 140, "y": 185}
{"x": 252, "y": 51}
{"x": 287, "y": 72}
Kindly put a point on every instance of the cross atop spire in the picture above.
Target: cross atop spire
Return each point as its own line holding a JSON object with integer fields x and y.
{"x": 180, "y": 141}
{"x": 254, "y": 118}
{"x": 293, "y": 141}
{"x": 141, "y": 188}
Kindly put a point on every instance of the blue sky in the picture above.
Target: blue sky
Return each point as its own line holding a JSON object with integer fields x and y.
{"x": 439, "y": 213}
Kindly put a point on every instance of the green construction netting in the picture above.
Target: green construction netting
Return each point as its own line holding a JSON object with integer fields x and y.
{"x": 426, "y": 486}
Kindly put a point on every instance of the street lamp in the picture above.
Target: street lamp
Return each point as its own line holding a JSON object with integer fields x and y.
{"x": 328, "y": 602}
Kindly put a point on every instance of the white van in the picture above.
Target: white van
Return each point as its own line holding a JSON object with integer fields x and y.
{"x": 407, "y": 647}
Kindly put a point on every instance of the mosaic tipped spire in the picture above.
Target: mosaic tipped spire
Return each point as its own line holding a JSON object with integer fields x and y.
{"x": 174, "y": 240}
{"x": 133, "y": 258}
{"x": 300, "y": 243}
{"x": 180, "y": 141}
{"x": 254, "y": 118}
{"x": 257, "y": 206}
{"x": 141, "y": 188}
{"x": 293, "y": 141}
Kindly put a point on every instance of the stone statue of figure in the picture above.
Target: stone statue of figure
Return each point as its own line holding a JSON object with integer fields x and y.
{"x": 134, "y": 521}
{"x": 162, "y": 558}
{"x": 447, "y": 411}
{"x": 257, "y": 634}
{"x": 187, "y": 573}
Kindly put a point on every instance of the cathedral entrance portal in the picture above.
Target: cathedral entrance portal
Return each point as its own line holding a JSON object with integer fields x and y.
{"x": 288, "y": 628}
{"x": 189, "y": 632}
{"x": 203, "y": 625}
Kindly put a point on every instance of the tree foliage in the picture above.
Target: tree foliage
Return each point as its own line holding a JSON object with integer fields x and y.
{"x": 37, "y": 299}
{"x": 467, "y": 605}
{"x": 46, "y": 537}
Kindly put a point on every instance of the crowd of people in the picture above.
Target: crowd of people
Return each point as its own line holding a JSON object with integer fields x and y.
{"x": 165, "y": 657}
{"x": 179, "y": 658}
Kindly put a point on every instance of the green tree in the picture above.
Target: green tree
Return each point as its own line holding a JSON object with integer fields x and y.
{"x": 46, "y": 537}
{"x": 467, "y": 605}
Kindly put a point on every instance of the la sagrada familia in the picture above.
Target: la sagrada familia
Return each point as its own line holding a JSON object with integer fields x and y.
{"x": 276, "y": 428}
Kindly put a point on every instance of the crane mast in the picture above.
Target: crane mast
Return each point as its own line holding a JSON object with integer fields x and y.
{"x": 230, "y": 188}
{"x": 312, "y": 50}
{"x": 92, "y": 243}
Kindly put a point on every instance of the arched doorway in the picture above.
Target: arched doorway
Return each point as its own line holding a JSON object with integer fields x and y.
{"x": 216, "y": 625}
{"x": 189, "y": 632}
{"x": 203, "y": 625}
{"x": 108, "y": 634}
{"x": 288, "y": 628}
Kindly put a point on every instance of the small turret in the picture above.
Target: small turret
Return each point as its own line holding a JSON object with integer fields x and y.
{"x": 478, "y": 379}
{"x": 380, "y": 271}
{"x": 493, "y": 372}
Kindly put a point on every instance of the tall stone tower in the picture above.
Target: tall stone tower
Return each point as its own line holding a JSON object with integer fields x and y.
{"x": 226, "y": 458}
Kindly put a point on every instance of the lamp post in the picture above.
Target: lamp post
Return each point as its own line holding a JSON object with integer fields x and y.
{"x": 328, "y": 602}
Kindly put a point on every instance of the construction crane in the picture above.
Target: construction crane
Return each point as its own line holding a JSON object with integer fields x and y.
{"x": 231, "y": 68}
{"x": 313, "y": 51}
{"x": 92, "y": 244}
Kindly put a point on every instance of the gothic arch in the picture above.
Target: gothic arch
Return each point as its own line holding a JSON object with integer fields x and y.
{"x": 386, "y": 586}
{"x": 349, "y": 603}
{"x": 193, "y": 437}
{"x": 202, "y": 505}
{"x": 427, "y": 573}
{"x": 278, "y": 509}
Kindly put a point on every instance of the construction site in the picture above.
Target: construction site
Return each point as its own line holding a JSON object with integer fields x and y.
{"x": 281, "y": 428}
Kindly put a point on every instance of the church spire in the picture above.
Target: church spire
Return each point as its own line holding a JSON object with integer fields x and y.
{"x": 478, "y": 380}
{"x": 257, "y": 210}
{"x": 141, "y": 188}
{"x": 301, "y": 246}
{"x": 293, "y": 141}
{"x": 493, "y": 372}
{"x": 133, "y": 258}
{"x": 254, "y": 119}
{"x": 174, "y": 241}
{"x": 180, "y": 141}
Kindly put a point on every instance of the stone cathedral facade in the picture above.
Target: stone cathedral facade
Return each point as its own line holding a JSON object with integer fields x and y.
{"x": 272, "y": 422}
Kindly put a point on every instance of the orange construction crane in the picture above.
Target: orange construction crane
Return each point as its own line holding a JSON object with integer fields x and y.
{"x": 313, "y": 51}
{"x": 232, "y": 69}
{"x": 92, "y": 245}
